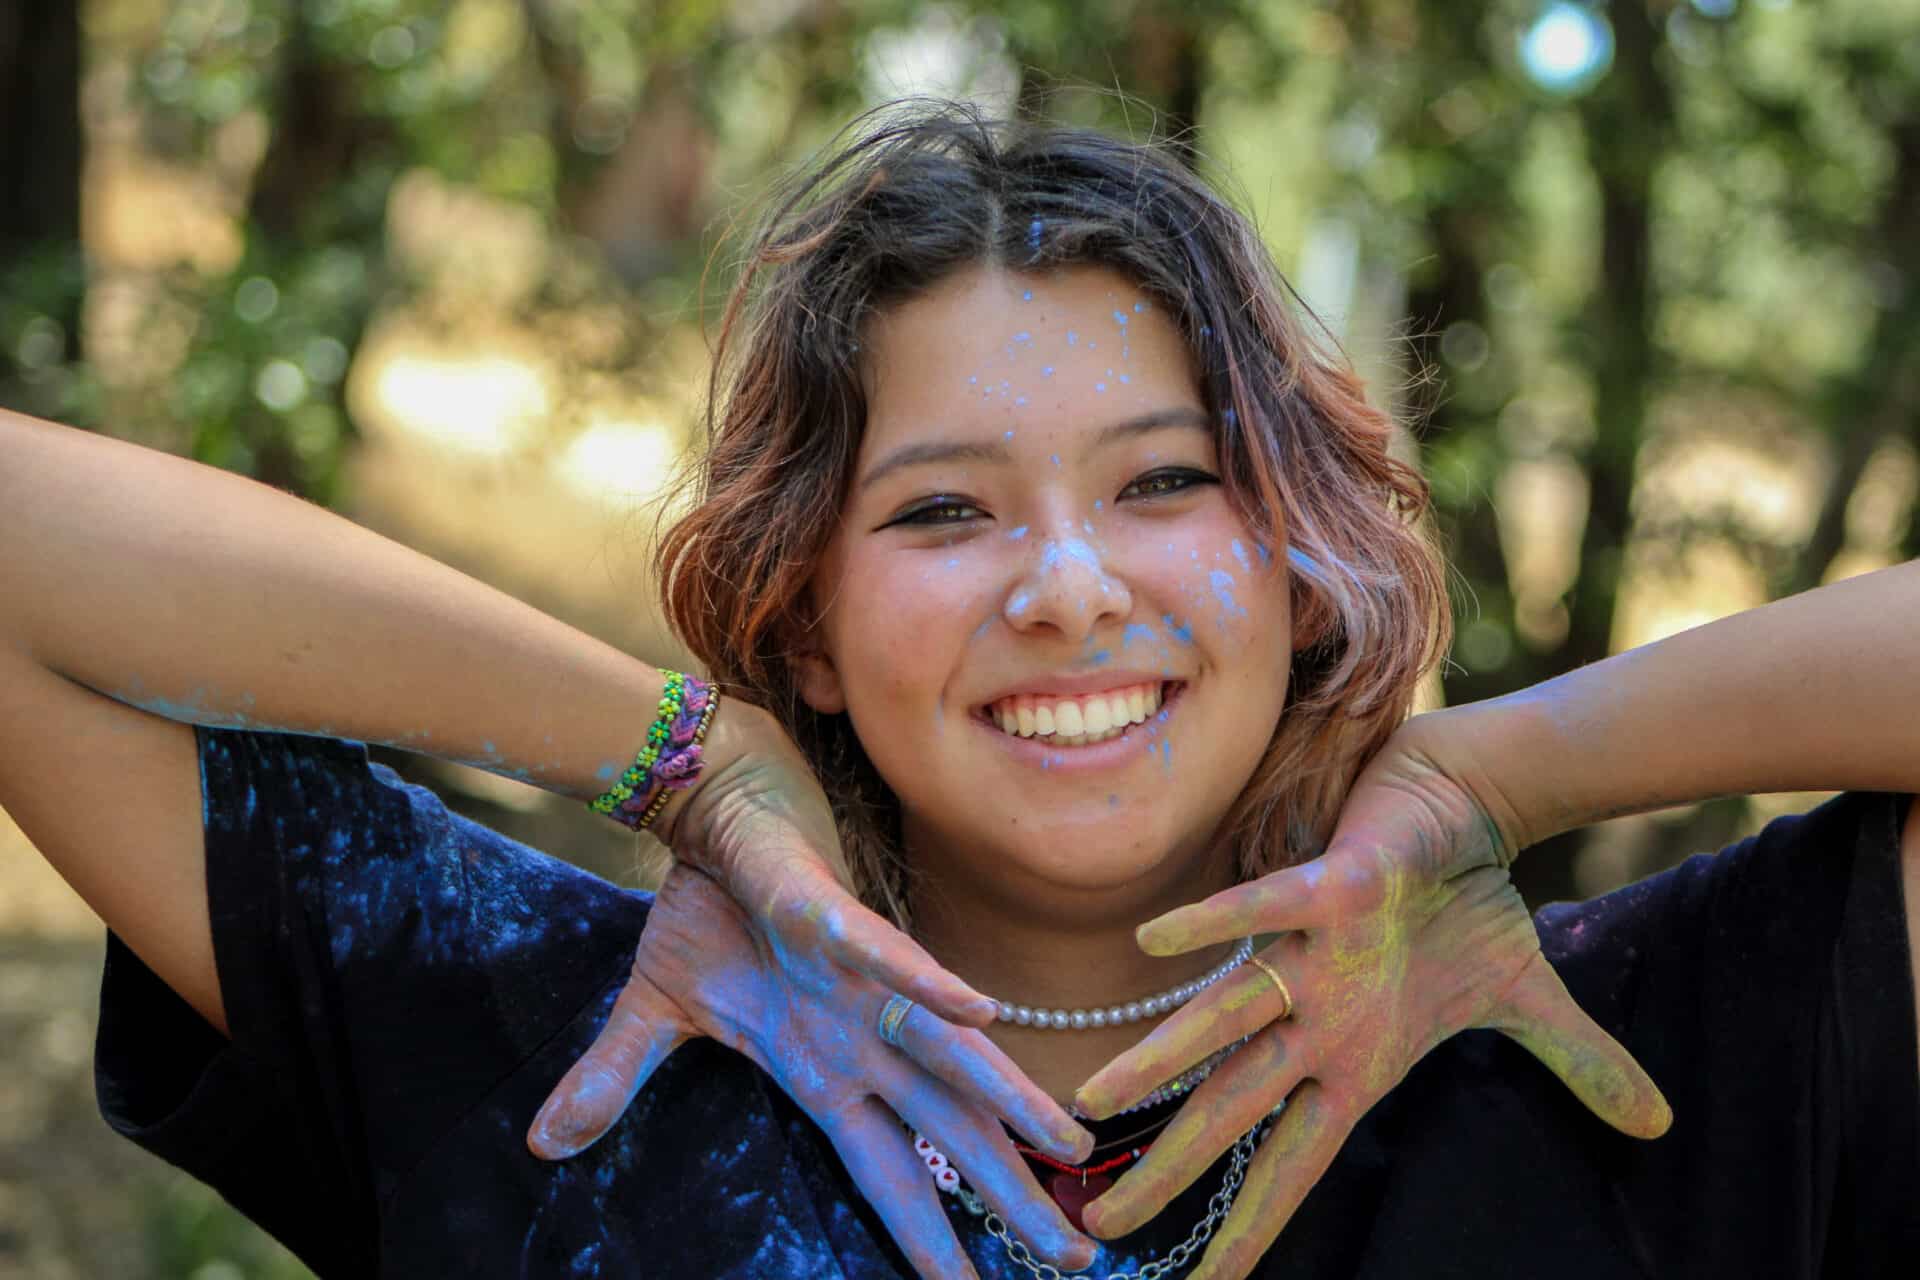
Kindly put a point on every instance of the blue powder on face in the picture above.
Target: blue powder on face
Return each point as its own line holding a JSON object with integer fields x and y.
{"x": 1099, "y": 386}
{"x": 1139, "y": 306}
{"x": 1120, "y": 317}
{"x": 1026, "y": 295}
{"x": 973, "y": 379}
{"x": 1071, "y": 549}
{"x": 1136, "y": 631}
{"x": 1099, "y": 657}
{"x": 1073, "y": 339}
{"x": 1240, "y": 554}
{"x": 1008, "y": 435}
{"x": 1047, "y": 372}
{"x": 1023, "y": 335}
{"x": 1017, "y": 533}
{"x": 1018, "y": 400}
{"x": 1125, "y": 378}
{"x": 1096, "y": 504}
{"x": 1183, "y": 633}
{"x": 1223, "y": 591}
{"x": 1266, "y": 556}
{"x": 1018, "y": 605}
{"x": 1055, "y": 458}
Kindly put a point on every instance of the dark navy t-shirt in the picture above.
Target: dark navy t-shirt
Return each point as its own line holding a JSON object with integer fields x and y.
{"x": 404, "y": 986}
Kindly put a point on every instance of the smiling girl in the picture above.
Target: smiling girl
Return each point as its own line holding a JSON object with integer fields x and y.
{"x": 1064, "y": 605}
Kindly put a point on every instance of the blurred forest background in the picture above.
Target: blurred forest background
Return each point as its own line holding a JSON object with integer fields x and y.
{"x": 1642, "y": 276}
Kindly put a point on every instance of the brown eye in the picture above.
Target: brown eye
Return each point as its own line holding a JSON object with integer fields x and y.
{"x": 1160, "y": 484}
{"x": 943, "y": 509}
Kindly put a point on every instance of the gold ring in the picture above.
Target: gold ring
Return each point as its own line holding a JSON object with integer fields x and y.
{"x": 1285, "y": 994}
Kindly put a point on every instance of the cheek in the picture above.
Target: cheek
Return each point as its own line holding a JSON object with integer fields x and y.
{"x": 1224, "y": 588}
{"x": 901, "y": 621}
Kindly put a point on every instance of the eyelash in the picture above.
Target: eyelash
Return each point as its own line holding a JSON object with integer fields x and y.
{"x": 1185, "y": 478}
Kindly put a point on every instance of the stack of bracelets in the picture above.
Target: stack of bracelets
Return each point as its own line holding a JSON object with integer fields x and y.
{"x": 670, "y": 761}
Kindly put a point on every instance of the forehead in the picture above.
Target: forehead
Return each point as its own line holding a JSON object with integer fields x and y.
{"x": 990, "y": 350}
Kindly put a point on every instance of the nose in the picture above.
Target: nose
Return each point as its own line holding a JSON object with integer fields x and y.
{"x": 1067, "y": 586}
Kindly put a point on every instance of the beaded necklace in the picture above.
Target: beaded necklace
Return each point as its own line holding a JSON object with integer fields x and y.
{"x": 1152, "y": 1006}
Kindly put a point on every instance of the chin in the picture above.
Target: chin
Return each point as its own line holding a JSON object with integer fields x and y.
{"x": 1097, "y": 858}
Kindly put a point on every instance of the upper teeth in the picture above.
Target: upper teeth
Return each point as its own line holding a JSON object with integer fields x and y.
{"x": 1093, "y": 718}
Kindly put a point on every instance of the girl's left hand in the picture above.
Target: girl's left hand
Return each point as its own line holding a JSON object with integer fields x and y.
{"x": 1404, "y": 932}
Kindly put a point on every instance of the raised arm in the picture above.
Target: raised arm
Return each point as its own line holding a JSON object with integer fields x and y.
{"x": 1820, "y": 691}
{"x": 206, "y": 598}
{"x": 144, "y": 593}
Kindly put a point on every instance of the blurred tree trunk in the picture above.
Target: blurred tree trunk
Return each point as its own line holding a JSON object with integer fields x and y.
{"x": 40, "y": 155}
{"x": 1628, "y": 121}
{"x": 646, "y": 201}
{"x": 1881, "y": 402}
{"x": 318, "y": 140}
{"x": 1629, "y": 118}
{"x": 1164, "y": 61}
{"x": 1158, "y": 56}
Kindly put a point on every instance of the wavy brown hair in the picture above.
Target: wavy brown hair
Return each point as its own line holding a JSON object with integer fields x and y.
{"x": 914, "y": 193}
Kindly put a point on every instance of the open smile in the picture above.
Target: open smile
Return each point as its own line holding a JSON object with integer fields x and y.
{"x": 1082, "y": 721}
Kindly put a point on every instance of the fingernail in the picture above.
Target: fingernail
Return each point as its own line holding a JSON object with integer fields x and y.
{"x": 1072, "y": 1144}
{"x": 1092, "y": 1104}
{"x": 1156, "y": 940}
{"x": 557, "y": 1133}
{"x": 1078, "y": 1254}
{"x": 1104, "y": 1221}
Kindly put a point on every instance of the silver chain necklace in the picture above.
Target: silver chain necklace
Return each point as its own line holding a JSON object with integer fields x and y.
{"x": 1218, "y": 1206}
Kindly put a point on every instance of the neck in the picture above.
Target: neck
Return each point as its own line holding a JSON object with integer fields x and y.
{"x": 1059, "y": 960}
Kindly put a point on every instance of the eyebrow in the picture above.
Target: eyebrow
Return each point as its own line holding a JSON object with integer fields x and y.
{"x": 916, "y": 455}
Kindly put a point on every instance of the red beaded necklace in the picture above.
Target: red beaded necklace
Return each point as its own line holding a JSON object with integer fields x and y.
{"x": 1074, "y": 1187}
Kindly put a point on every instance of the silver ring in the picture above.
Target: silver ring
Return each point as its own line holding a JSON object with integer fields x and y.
{"x": 893, "y": 1016}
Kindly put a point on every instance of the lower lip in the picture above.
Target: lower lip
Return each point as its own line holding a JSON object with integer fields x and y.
{"x": 1039, "y": 753}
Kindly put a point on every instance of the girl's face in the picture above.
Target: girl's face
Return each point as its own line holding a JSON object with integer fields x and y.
{"x": 1057, "y": 641}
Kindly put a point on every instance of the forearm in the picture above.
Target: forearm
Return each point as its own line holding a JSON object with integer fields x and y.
{"x": 206, "y": 597}
{"x": 1820, "y": 691}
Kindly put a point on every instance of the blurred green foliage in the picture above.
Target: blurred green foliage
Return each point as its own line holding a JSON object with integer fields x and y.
{"x": 1553, "y": 225}
{"x": 1705, "y": 219}
{"x": 192, "y": 1234}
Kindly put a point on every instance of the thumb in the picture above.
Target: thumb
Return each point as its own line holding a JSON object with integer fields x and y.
{"x": 1540, "y": 1015}
{"x": 643, "y": 1029}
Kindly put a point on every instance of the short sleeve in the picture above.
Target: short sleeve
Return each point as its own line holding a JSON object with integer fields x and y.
{"x": 1768, "y": 991}
{"x": 385, "y": 964}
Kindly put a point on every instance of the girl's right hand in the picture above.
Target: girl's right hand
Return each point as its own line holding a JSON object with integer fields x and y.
{"x": 754, "y": 941}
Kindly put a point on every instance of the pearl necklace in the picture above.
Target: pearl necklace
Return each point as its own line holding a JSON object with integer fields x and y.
{"x": 1116, "y": 1015}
